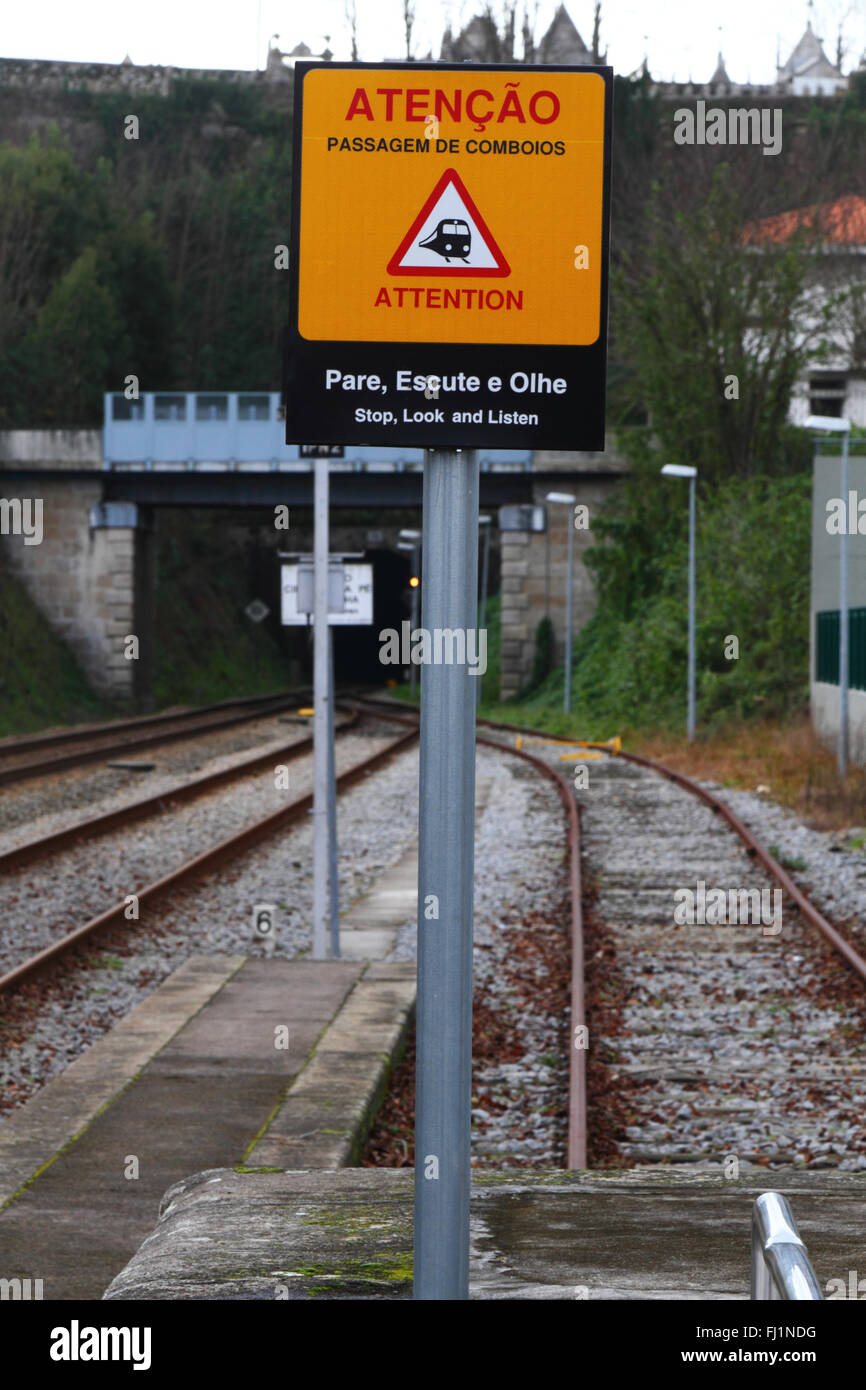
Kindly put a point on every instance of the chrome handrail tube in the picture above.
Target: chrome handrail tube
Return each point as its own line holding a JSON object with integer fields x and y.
{"x": 780, "y": 1263}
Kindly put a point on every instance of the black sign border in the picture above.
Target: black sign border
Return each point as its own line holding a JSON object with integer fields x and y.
{"x": 589, "y": 360}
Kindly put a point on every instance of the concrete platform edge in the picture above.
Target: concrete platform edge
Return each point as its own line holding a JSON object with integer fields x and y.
{"x": 330, "y": 1107}
{"x": 62, "y": 1110}
{"x": 620, "y": 1235}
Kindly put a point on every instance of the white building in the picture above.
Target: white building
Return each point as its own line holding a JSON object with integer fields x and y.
{"x": 809, "y": 72}
{"x": 834, "y": 384}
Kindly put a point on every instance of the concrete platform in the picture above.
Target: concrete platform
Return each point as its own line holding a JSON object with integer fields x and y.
{"x": 194, "y": 1076}
{"x": 368, "y": 929}
{"x": 628, "y": 1235}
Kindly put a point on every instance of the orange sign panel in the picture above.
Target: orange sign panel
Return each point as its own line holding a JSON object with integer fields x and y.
{"x": 440, "y": 205}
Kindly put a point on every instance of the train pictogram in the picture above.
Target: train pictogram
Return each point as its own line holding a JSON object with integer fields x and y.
{"x": 451, "y": 239}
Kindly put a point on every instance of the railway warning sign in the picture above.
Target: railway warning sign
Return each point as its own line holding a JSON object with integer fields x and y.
{"x": 449, "y": 255}
{"x": 448, "y": 237}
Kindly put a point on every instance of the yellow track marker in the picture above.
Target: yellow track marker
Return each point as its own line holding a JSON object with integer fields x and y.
{"x": 612, "y": 745}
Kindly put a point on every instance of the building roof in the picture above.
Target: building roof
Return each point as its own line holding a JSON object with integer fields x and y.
{"x": 840, "y": 223}
{"x": 808, "y": 59}
{"x": 479, "y": 41}
{"x": 475, "y": 42}
{"x": 562, "y": 42}
{"x": 720, "y": 77}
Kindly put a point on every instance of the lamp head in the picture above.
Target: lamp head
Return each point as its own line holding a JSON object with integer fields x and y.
{"x": 836, "y": 423}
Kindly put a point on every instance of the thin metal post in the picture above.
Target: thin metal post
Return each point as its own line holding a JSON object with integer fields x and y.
{"x": 569, "y": 604}
{"x": 333, "y": 880}
{"x": 482, "y": 608}
{"x": 843, "y": 619}
{"x": 691, "y": 692}
{"x": 546, "y": 565}
{"x": 445, "y": 883}
{"x": 320, "y": 705}
{"x": 413, "y": 669}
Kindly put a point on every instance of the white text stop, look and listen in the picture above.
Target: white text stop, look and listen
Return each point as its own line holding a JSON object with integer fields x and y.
{"x": 532, "y": 383}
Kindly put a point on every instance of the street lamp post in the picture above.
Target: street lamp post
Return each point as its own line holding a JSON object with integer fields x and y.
{"x": 413, "y": 537}
{"x": 566, "y": 497}
{"x": 840, "y": 425}
{"x": 681, "y": 470}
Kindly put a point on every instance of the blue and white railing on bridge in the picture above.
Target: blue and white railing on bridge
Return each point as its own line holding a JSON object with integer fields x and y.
{"x": 241, "y": 431}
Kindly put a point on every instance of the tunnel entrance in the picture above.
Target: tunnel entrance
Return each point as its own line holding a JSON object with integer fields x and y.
{"x": 356, "y": 649}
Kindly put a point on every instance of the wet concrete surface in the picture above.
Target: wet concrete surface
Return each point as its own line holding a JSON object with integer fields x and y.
{"x": 640, "y": 1234}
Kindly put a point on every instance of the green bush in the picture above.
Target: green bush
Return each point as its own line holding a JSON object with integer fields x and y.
{"x": 629, "y": 662}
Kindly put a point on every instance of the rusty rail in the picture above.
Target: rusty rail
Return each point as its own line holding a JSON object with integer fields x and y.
{"x": 577, "y": 1109}
{"x": 751, "y": 841}
{"x": 89, "y": 829}
{"x": 196, "y": 723}
{"x": 221, "y": 853}
{"x": 755, "y": 848}
{"x": 577, "y": 1118}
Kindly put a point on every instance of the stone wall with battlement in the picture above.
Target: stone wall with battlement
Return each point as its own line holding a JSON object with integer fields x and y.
{"x": 42, "y": 74}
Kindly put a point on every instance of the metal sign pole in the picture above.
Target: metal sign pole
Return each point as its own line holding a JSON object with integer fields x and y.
{"x": 692, "y": 656}
{"x": 413, "y": 670}
{"x": 333, "y": 881}
{"x": 320, "y": 706}
{"x": 569, "y": 609}
{"x": 843, "y": 620}
{"x": 445, "y": 884}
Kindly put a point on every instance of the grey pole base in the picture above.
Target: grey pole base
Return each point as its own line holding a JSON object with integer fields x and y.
{"x": 445, "y": 883}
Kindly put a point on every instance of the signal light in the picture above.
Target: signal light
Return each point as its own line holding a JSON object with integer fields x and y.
{"x": 414, "y": 582}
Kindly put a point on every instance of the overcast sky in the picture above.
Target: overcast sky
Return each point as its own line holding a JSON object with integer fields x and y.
{"x": 680, "y": 37}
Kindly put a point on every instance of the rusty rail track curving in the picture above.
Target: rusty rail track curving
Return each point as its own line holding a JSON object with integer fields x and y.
{"x": 754, "y": 847}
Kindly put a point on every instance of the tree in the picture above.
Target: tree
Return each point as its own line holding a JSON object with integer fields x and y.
{"x": 596, "y": 33}
{"x": 716, "y": 331}
{"x": 352, "y": 21}
{"x": 408, "y": 25}
{"x": 77, "y": 334}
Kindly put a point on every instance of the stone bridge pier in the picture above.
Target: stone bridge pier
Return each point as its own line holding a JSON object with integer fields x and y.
{"x": 533, "y": 565}
{"x": 87, "y": 564}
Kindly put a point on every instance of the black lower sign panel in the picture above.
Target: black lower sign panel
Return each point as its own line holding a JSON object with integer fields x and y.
{"x": 446, "y": 395}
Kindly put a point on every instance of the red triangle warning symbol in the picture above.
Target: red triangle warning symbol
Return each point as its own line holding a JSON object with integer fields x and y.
{"x": 448, "y": 237}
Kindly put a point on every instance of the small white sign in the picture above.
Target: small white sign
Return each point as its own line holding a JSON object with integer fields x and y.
{"x": 357, "y": 597}
{"x": 265, "y": 925}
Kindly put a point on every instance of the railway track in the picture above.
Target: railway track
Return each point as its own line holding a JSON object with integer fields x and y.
{"x": 731, "y": 1039}
{"x": 217, "y": 855}
{"x": 94, "y": 826}
{"x": 20, "y": 760}
{"x": 737, "y": 1041}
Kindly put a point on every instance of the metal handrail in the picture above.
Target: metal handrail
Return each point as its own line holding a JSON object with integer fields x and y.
{"x": 780, "y": 1263}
